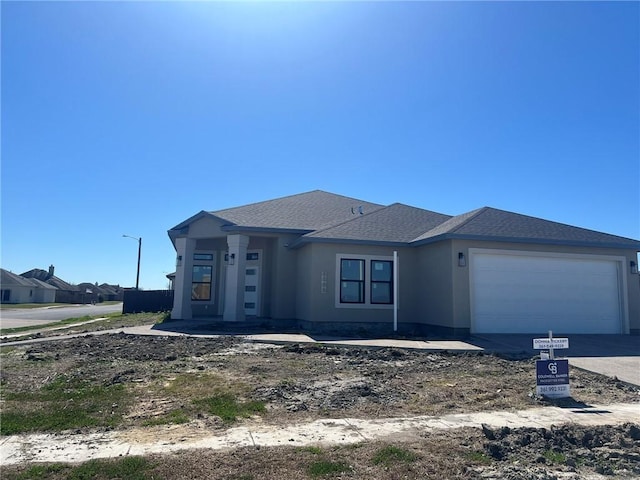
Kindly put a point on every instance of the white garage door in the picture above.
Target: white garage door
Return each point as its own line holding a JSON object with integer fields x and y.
{"x": 534, "y": 294}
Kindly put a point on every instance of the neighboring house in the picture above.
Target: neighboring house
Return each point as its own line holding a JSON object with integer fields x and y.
{"x": 328, "y": 263}
{"x": 81, "y": 293}
{"x": 112, "y": 292}
{"x": 65, "y": 293}
{"x": 172, "y": 278}
{"x": 17, "y": 289}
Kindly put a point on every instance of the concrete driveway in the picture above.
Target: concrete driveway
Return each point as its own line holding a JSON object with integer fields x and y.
{"x": 610, "y": 355}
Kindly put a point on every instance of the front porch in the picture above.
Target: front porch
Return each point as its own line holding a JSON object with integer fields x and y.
{"x": 232, "y": 277}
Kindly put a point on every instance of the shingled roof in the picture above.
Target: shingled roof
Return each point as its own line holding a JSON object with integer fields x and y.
{"x": 492, "y": 224}
{"x": 396, "y": 223}
{"x": 46, "y": 277}
{"x": 303, "y": 212}
{"x": 326, "y": 217}
{"x": 10, "y": 278}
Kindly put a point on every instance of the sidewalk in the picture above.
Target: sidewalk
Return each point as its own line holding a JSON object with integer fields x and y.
{"x": 83, "y": 447}
{"x": 273, "y": 338}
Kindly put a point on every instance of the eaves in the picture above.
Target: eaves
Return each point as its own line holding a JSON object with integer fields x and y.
{"x": 537, "y": 241}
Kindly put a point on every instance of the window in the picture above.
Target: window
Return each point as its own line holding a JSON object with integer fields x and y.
{"x": 351, "y": 281}
{"x": 363, "y": 281}
{"x": 251, "y": 256}
{"x": 203, "y": 256}
{"x": 381, "y": 281}
{"x": 201, "y": 282}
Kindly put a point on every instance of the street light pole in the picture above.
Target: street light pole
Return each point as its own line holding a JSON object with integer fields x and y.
{"x": 139, "y": 239}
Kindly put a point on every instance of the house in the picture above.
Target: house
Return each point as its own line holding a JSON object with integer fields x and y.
{"x": 67, "y": 293}
{"x": 17, "y": 289}
{"x": 327, "y": 263}
{"x": 111, "y": 292}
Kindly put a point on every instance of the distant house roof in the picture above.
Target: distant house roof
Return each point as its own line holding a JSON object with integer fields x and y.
{"x": 45, "y": 276}
{"x": 320, "y": 216}
{"x": 10, "y": 278}
{"x": 110, "y": 289}
{"x": 41, "y": 284}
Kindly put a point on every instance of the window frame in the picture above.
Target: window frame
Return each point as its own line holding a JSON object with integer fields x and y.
{"x": 381, "y": 282}
{"x": 210, "y": 282}
{"x": 367, "y": 304}
{"x": 360, "y": 283}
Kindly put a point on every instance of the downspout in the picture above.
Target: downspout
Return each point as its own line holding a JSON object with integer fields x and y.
{"x": 395, "y": 291}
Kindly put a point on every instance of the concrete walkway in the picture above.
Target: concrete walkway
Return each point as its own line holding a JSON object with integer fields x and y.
{"x": 611, "y": 355}
{"x": 273, "y": 338}
{"x": 82, "y": 447}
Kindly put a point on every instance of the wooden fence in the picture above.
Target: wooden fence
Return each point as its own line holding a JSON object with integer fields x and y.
{"x": 136, "y": 301}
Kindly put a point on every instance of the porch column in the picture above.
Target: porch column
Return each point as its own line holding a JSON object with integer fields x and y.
{"x": 182, "y": 285}
{"x": 236, "y": 269}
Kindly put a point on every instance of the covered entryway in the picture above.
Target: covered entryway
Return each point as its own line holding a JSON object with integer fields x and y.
{"x": 530, "y": 292}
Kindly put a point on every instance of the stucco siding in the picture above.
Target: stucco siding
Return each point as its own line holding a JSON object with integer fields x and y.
{"x": 303, "y": 281}
{"x": 323, "y": 285}
{"x": 283, "y": 278}
{"x": 435, "y": 286}
{"x": 206, "y": 227}
{"x": 20, "y": 294}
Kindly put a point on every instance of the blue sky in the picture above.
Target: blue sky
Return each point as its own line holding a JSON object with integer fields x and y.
{"x": 129, "y": 117}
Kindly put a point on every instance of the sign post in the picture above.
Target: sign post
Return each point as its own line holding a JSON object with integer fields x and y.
{"x": 552, "y": 375}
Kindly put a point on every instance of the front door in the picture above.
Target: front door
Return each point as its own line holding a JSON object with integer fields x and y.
{"x": 251, "y": 283}
{"x": 251, "y": 290}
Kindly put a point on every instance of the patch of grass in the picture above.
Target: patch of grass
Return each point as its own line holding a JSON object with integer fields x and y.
{"x": 198, "y": 385}
{"x": 60, "y": 323}
{"x": 228, "y": 408}
{"x": 326, "y": 467}
{"x": 131, "y": 468}
{"x": 64, "y": 403}
{"x": 26, "y": 306}
{"x": 555, "y": 457}
{"x": 479, "y": 457}
{"x": 311, "y": 449}
{"x": 174, "y": 416}
{"x": 40, "y": 471}
{"x": 111, "y": 320}
{"x": 390, "y": 454}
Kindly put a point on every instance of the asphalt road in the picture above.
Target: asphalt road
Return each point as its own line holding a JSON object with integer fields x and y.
{"x": 12, "y": 318}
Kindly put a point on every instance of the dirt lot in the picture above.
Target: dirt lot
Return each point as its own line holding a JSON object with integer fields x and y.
{"x": 164, "y": 380}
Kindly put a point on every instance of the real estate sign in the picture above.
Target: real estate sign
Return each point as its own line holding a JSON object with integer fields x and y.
{"x": 552, "y": 378}
{"x": 548, "y": 343}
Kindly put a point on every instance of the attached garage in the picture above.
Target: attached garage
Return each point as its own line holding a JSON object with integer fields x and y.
{"x": 533, "y": 292}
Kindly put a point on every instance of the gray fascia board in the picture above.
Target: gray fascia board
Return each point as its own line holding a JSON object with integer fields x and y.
{"x": 302, "y": 241}
{"x": 538, "y": 241}
{"x": 197, "y": 216}
{"x": 176, "y": 231}
{"x": 291, "y": 231}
